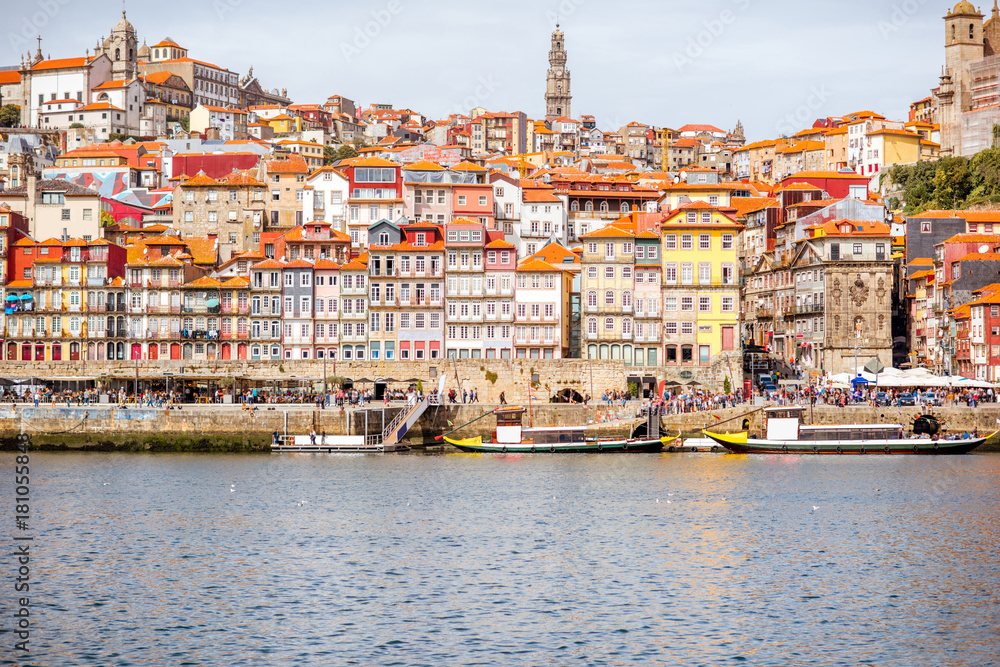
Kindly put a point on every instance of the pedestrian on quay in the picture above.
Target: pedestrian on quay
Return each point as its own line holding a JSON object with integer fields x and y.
{"x": 503, "y": 399}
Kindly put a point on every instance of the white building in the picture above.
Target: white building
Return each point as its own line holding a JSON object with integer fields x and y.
{"x": 330, "y": 189}
{"x": 61, "y": 79}
{"x": 543, "y": 220}
{"x": 230, "y": 122}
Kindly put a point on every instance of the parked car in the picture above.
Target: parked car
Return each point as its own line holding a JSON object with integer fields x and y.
{"x": 768, "y": 387}
{"x": 907, "y": 398}
{"x": 930, "y": 398}
{"x": 881, "y": 398}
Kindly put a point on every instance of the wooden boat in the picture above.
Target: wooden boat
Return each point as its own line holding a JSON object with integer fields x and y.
{"x": 510, "y": 437}
{"x": 786, "y": 434}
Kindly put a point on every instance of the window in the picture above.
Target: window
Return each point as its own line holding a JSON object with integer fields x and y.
{"x": 728, "y": 304}
{"x": 704, "y": 273}
{"x": 670, "y": 274}
{"x": 609, "y": 272}
{"x": 609, "y": 324}
{"x": 704, "y": 242}
{"x": 727, "y": 241}
{"x": 609, "y": 298}
{"x": 687, "y": 242}
{"x": 670, "y": 242}
{"x": 687, "y": 274}
{"x": 704, "y": 304}
{"x": 627, "y": 248}
{"x": 687, "y": 304}
{"x": 857, "y": 249}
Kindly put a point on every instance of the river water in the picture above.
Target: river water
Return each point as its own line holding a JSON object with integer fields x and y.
{"x": 487, "y": 560}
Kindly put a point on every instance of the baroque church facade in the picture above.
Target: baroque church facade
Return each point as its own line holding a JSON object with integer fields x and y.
{"x": 967, "y": 99}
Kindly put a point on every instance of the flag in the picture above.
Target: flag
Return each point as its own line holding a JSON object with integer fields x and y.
{"x": 717, "y": 418}
{"x": 450, "y": 424}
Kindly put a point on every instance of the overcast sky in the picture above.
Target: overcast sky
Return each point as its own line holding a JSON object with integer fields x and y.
{"x": 775, "y": 65}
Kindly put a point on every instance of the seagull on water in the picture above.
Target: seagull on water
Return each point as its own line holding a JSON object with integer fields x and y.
{"x": 815, "y": 508}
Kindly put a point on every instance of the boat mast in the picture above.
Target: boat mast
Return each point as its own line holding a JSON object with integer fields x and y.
{"x": 531, "y": 422}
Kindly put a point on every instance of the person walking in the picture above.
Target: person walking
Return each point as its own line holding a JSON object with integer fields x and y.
{"x": 503, "y": 399}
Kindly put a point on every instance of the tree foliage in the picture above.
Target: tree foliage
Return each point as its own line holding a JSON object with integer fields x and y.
{"x": 951, "y": 182}
{"x": 10, "y": 115}
{"x": 345, "y": 152}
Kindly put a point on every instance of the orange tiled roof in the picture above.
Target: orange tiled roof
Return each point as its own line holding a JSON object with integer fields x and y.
{"x": 468, "y": 166}
{"x": 536, "y": 265}
{"x": 867, "y": 228}
{"x": 608, "y": 232}
{"x": 204, "y": 282}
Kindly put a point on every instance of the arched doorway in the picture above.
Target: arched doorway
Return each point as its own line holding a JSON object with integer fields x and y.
{"x": 120, "y": 351}
{"x": 136, "y": 351}
{"x": 154, "y": 351}
{"x": 188, "y": 351}
{"x": 242, "y": 351}
{"x": 74, "y": 352}
{"x": 12, "y": 351}
{"x": 227, "y": 351}
{"x": 175, "y": 350}
{"x": 567, "y": 396}
{"x": 91, "y": 352}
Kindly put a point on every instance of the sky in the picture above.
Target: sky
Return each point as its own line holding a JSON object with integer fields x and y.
{"x": 775, "y": 65}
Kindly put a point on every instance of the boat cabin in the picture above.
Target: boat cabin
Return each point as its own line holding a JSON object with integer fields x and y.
{"x": 510, "y": 430}
{"x": 786, "y": 424}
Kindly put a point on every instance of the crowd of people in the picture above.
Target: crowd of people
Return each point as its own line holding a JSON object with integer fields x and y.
{"x": 670, "y": 402}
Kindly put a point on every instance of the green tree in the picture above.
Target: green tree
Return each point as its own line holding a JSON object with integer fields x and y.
{"x": 185, "y": 124}
{"x": 10, "y": 115}
{"x": 345, "y": 152}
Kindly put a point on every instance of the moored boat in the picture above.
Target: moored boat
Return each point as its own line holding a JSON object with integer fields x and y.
{"x": 786, "y": 434}
{"x": 510, "y": 437}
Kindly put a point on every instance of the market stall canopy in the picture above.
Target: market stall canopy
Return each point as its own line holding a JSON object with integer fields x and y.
{"x": 26, "y": 297}
{"x": 12, "y": 297}
{"x": 211, "y": 303}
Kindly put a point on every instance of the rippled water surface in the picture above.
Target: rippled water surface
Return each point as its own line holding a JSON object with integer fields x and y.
{"x": 471, "y": 560}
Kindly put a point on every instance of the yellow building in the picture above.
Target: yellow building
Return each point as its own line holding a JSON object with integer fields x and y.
{"x": 701, "y": 292}
{"x": 607, "y": 292}
{"x": 283, "y": 123}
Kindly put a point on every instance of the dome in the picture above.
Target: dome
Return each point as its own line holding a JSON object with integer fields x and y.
{"x": 125, "y": 26}
{"x": 144, "y": 51}
{"x": 964, "y": 9}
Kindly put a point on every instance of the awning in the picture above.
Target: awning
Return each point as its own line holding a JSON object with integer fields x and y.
{"x": 26, "y": 297}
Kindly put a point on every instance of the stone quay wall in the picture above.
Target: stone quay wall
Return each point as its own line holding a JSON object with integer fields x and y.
{"x": 228, "y": 428}
{"x": 488, "y": 376}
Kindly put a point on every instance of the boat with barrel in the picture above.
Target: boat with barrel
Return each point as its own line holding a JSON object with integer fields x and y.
{"x": 787, "y": 434}
{"x": 511, "y": 437}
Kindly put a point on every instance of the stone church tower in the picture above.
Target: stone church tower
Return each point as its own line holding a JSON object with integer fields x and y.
{"x": 558, "y": 98}
{"x": 123, "y": 50}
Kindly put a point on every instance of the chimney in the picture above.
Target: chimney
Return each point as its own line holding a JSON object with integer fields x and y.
{"x": 213, "y": 237}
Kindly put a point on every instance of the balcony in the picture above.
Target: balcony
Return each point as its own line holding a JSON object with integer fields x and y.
{"x": 810, "y": 308}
